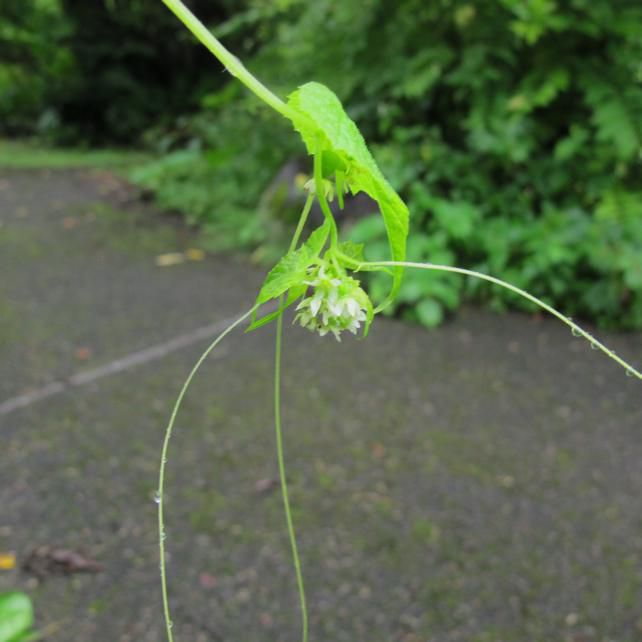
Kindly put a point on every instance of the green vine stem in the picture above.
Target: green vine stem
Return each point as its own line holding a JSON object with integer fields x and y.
{"x": 302, "y": 220}
{"x": 279, "y": 435}
{"x": 229, "y": 60}
{"x": 577, "y": 331}
{"x": 282, "y": 477}
{"x": 323, "y": 203}
{"x": 238, "y": 70}
{"x": 160, "y": 493}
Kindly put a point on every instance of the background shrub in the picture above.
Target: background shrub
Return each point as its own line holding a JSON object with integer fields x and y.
{"x": 102, "y": 71}
{"x": 511, "y": 127}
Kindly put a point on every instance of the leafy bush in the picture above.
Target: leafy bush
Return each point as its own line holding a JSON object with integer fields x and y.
{"x": 219, "y": 178}
{"x": 32, "y": 63}
{"x": 135, "y": 67}
{"x": 513, "y": 129}
{"x": 100, "y": 72}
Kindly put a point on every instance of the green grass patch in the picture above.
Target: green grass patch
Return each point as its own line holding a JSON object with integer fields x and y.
{"x": 27, "y": 154}
{"x": 133, "y": 234}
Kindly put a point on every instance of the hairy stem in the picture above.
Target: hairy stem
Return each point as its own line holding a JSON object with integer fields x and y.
{"x": 230, "y": 61}
{"x": 577, "y": 330}
{"x": 160, "y": 498}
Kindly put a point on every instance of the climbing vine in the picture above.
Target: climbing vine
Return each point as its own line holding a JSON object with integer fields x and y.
{"x": 320, "y": 274}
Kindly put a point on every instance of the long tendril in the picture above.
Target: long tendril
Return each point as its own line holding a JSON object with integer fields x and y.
{"x": 160, "y": 493}
{"x": 576, "y": 329}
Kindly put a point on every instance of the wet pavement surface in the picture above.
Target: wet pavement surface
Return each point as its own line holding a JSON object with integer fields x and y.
{"x": 477, "y": 483}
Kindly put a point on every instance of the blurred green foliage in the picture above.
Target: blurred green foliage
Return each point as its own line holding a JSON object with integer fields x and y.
{"x": 31, "y": 154}
{"x": 222, "y": 161}
{"x": 512, "y": 127}
{"x": 31, "y": 62}
{"x": 16, "y": 618}
{"x": 102, "y": 71}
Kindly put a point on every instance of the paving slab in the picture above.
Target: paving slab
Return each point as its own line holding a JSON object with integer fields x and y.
{"x": 479, "y": 482}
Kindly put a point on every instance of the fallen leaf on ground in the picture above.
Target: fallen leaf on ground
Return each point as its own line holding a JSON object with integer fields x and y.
{"x": 266, "y": 619}
{"x": 207, "y": 581}
{"x": 266, "y": 485}
{"x": 69, "y": 222}
{"x": 195, "y": 254}
{"x": 172, "y": 258}
{"x": 7, "y": 561}
{"x": 82, "y": 354}
{"x": 378, "y": 450}
{"x": 46, "y": 560}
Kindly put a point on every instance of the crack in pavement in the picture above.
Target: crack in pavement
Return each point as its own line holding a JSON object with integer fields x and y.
{"x": 116, "y": 366}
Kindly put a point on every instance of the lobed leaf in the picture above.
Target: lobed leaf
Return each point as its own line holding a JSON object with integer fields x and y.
{"x": 326, "y": 128}
{"x": 287, "y": 273}
{"x": 317, "y": 239}
{"x": 293, "y": 294}
{"x": 352, "y": 250}
{"x": 291, "y": 270}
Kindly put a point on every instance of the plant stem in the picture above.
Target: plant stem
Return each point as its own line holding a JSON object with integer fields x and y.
{"x": 301, "y": 224}
{"x": 282, "y": 477}
{"x": 279, "y": 434}
{"x": 325, "y": 208}
{"x": 631, "y": 371}
{"x": 230, "y": 61}
{"x": 160, "y": 498}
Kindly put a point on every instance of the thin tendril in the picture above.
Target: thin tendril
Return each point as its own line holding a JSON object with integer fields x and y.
{"x": 631, "y": 371}
{"x": 160, "y": 495}
{"x": 161, "y": 475}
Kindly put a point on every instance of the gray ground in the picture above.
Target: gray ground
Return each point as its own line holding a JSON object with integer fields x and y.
{"x": 477, "y": 483}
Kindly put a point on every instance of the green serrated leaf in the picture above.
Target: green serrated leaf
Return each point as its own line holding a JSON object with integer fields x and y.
{"x": 352, "y": 250}
{"x": 288, "y": 272}
{"x": 293, "y": 294}
{"x": 259, "y": 323}
{"x": 16, "y": 616}
{"x": 317, "y": 239}
{"x": 325, "y": 126}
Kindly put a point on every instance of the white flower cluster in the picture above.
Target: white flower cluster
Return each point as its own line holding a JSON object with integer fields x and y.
{"x": 336, "y": 304}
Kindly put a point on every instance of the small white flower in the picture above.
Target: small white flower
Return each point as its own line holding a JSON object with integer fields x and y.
{"x": 315, "y": 303}
{"x": 337, "y": 303}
